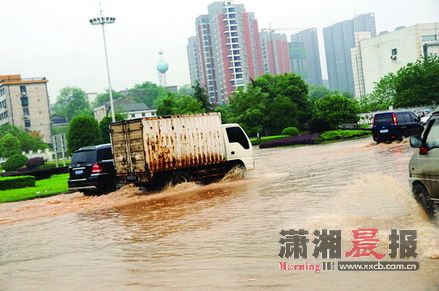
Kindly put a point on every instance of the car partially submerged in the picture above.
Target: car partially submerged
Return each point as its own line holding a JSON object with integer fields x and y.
{"x": 424, "y": 166}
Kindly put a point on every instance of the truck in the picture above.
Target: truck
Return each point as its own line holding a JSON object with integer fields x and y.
{"x": 177, "y": 149}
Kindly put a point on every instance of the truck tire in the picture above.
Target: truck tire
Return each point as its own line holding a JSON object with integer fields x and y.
{"x": 423, "y": 198}
{"x": 179, "y": 177}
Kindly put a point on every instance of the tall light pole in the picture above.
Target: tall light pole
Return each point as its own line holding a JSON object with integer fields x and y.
{"x": 102, "y": 21}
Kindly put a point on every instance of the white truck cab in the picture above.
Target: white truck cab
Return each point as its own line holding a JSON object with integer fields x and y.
{"x": 238, "y": 145}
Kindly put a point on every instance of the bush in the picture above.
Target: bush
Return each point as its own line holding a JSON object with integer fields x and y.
{"x": 299, "y": 139}
{"x": 342, "y": 134}
{"x": 291, "y": 131}
{"x": 17, "y": 182}
{"x": 34, "y": 163}
{"x": 15, "y": 162}
{"x": 9, "y": 146}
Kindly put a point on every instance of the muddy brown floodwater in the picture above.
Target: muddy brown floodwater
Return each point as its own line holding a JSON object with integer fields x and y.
{"x": 223, "y": 235}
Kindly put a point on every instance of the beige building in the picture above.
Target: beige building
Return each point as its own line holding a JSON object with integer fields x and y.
{"x": 372, "y": 58}
{"x": 24, "y": 102}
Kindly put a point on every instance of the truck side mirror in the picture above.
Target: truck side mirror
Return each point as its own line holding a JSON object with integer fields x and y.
{"x": 415, "y": 141}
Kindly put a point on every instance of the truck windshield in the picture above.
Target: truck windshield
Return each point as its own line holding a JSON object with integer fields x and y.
{"x": 235, "y": 134}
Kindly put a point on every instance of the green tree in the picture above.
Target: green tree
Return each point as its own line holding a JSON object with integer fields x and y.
{"x": 147, "y": 93}
{"x": 382, "y": 95}
{"x": 9, "y": 146}
{"x": 331, "y": 111}
{"x": 248, "y": 108}
{"x": 318, "y": 92}
{"x": 290, "y": 86}
{"x": 28, "y": 141}
{"x": 71, "y": 102}
{"x": 104, "y": 126}
{"x": 271, "y": 102}
{"x": 417, "y": 83}
{"x": 103, "y": 98}
{"x": 83, "y": 131}
{"x": 166, "y": 105}
{"x": 172, "y": 104}
{"x": 201, "y": 96}
{"x": 186, "y": 90}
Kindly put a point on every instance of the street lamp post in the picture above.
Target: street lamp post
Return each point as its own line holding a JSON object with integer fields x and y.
{"x": 102, "y": 21}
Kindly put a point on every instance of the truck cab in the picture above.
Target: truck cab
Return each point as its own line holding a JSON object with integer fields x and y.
{"x": 238, "y": 145}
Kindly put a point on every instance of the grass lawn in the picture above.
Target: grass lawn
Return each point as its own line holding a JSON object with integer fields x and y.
{"x": 254, "y": 140}
{"x": 47, "y": 187}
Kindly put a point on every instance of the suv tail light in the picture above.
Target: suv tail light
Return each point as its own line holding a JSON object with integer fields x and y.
{"x": 395, "y": 120}
{"x": 96, "y": 169}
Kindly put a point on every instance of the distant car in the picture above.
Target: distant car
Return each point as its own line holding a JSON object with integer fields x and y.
{"x": 92, "y": 170}
{"x": 389, "y": 126}
{"x": 424, "y": 119}
{"x": 424, "y": 166}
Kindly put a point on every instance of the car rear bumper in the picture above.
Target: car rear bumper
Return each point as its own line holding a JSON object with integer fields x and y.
{"x": 91, "y": 183}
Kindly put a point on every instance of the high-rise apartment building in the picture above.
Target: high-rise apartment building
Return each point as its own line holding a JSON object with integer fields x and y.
{"x": 275, "y": 53}
{"x": 229, "y": 49}
{"x": 25, "y": 103}
{"x": 305, "y": 56}
{"x": 193, "y": 59}
{"x": 339, "y": 38}
{"x": 390, "y": 51}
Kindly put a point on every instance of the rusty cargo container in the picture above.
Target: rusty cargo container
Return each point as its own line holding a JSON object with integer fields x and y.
{"x": 144, "y": 148}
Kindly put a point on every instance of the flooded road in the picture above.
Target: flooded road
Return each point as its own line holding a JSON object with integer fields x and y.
{"x": 223, "y": 235}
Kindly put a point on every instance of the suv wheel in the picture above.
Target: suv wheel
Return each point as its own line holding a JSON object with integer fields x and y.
{"x": 423, "y": 198}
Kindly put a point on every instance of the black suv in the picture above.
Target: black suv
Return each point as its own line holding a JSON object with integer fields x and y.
{"x": 92, "y": 170}
{"x": 389, "y": 126}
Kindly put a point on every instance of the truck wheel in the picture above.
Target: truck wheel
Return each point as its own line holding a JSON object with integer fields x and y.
{"x": 423, "y": 198}
{"x": 179, "y": 177}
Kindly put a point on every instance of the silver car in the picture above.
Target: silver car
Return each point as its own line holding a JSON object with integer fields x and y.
{"x": 424, "y": 166}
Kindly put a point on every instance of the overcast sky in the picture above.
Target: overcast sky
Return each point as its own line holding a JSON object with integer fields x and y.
{"x": 53, "y": 38}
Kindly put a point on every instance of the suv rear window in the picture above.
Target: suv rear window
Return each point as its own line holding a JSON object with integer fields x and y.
{"x": 383, "y": 118}
{"x": 104, "y": 154}
{"x": 84, "y": 157}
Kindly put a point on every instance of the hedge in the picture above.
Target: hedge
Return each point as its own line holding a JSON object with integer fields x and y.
{"x": 342, "y": 134}
{"x": 295, "y": 140}
{"x": 7, "y": 183}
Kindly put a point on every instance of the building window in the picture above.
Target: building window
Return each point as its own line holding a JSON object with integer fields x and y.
{"x": 26, "y": 112}
{"x": 394, "y": 52}
{"x": 23, "y": 90}
{"x": 24, "y": 101}
{"x": 27, "y": 123}
{"x": 133, "y": 115}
